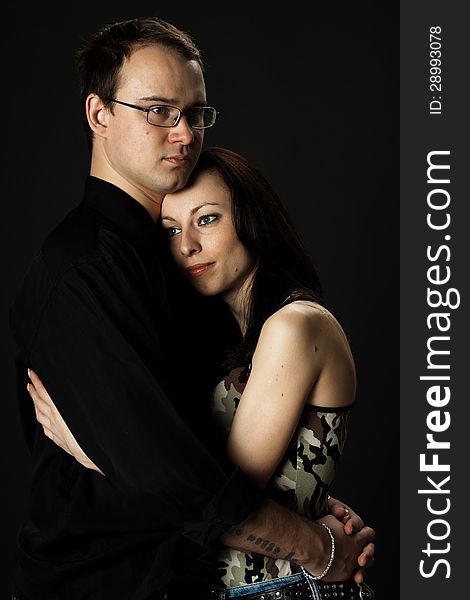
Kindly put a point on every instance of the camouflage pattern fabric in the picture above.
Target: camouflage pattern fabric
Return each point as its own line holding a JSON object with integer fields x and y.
{"x": 301, "y": 482}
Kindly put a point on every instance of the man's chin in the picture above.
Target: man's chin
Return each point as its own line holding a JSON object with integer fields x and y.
{"x": 178, "y": 182}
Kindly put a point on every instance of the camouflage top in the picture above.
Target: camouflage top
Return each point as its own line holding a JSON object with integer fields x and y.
{"x": 301, "y": 482}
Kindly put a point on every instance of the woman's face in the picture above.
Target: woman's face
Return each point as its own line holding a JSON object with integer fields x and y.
{"x": 202, "y": 236}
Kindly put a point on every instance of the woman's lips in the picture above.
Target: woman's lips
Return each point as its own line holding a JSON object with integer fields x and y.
{"x": 199, "y": 269}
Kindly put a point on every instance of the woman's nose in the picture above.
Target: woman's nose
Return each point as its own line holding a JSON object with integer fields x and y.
{"x": 190, "y": 244}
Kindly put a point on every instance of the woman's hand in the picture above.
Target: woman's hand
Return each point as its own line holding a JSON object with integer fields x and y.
{"x": 53, "y": 424}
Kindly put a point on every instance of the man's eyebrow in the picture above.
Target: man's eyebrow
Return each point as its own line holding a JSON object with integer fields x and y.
{"x": 193, "y": 210}
{"x": 167, "y": 100}
{"x": 163, "y": 99}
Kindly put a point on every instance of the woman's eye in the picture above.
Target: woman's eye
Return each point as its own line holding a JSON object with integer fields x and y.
{"x": 206, "y": 219}
{"x": 172, "y": 231}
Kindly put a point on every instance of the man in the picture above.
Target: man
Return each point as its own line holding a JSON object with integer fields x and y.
{"x": 115, "y": 334}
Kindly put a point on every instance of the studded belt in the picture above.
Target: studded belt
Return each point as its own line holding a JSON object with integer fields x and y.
{"x": 301, "y": 590}
{"x": 349, "y": 590}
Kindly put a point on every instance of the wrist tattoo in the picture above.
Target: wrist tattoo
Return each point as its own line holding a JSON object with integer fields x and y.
{"x": 266, "y": 545}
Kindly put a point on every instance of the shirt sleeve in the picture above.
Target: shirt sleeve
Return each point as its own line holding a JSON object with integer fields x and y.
{"x": 100, "y": 354}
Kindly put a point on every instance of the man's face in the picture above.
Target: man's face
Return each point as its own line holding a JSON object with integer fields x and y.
{"x": 144, "y": 160}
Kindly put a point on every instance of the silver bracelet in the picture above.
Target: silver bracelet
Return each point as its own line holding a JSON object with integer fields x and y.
{"x": 330, "y": 562}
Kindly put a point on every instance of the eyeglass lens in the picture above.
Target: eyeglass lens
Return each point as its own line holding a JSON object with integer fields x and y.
{"x": 167, "y": 116}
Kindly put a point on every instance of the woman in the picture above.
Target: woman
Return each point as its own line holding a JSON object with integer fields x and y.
{"x": 290, "y": 385}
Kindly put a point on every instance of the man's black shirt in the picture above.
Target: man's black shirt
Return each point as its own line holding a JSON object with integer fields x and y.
{"x": 129, "y": 353}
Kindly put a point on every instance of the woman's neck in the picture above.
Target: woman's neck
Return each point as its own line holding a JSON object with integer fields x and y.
{"x": 237, "y": 299}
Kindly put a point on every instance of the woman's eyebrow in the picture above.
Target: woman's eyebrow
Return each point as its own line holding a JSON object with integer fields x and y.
{"x": 196, "y": 208}
{"x": 193, "y": 210}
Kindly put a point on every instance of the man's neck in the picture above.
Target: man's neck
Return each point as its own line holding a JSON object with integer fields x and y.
{"x": 151, "y": 204}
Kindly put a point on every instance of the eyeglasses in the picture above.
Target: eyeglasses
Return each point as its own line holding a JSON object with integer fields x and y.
{"x": 163, "y": 115}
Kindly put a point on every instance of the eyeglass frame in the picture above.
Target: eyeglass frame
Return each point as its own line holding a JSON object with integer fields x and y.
{"x": 181, "y": 113}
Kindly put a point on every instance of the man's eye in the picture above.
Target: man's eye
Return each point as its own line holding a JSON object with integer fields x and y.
{"x": 172, "y": 231}
{"x": 207, "y": 219}
{"x": 161, "y": 111}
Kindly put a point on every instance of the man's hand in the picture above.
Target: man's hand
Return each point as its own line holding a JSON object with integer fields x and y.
{"x": 352, "y": 524}
{"x": 53, "y": 424}
{"x": 352, "y": 550}
{"x": 281, "y": 533}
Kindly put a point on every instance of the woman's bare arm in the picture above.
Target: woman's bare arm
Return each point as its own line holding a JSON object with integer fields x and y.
{"x": 298, "y": 348}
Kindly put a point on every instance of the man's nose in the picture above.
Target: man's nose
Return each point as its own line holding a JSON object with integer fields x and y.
{"x": 182, "y": 132}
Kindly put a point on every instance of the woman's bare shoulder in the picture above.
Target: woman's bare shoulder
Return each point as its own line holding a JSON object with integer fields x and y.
{"x": 305, "y": 318}
{"x": 303, "y": 325}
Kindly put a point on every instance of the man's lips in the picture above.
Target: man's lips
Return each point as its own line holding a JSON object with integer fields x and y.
{"x": 178, "y": 160}
{"x": 199, "y": 269}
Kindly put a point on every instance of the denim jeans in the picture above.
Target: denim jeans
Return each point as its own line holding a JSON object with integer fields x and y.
{"x": 240, "y": 591}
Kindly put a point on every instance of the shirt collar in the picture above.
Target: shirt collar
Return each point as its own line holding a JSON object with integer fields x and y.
{"x": 122, "y": 210}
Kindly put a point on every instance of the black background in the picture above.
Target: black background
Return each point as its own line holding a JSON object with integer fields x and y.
{"x": 312, "y": 99}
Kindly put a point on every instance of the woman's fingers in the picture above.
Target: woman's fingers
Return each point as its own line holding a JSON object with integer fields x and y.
{"x": 46, "y": 412}
{"x": 351, "y": 520}
{"x": 41, "y": 408}
{"x": 49, "y": 416}
{"x": 53, "y": 424}
{"x": 353, "y": 524}
{"x": 340, "y": 512}
{"x": 38, "y": 385}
